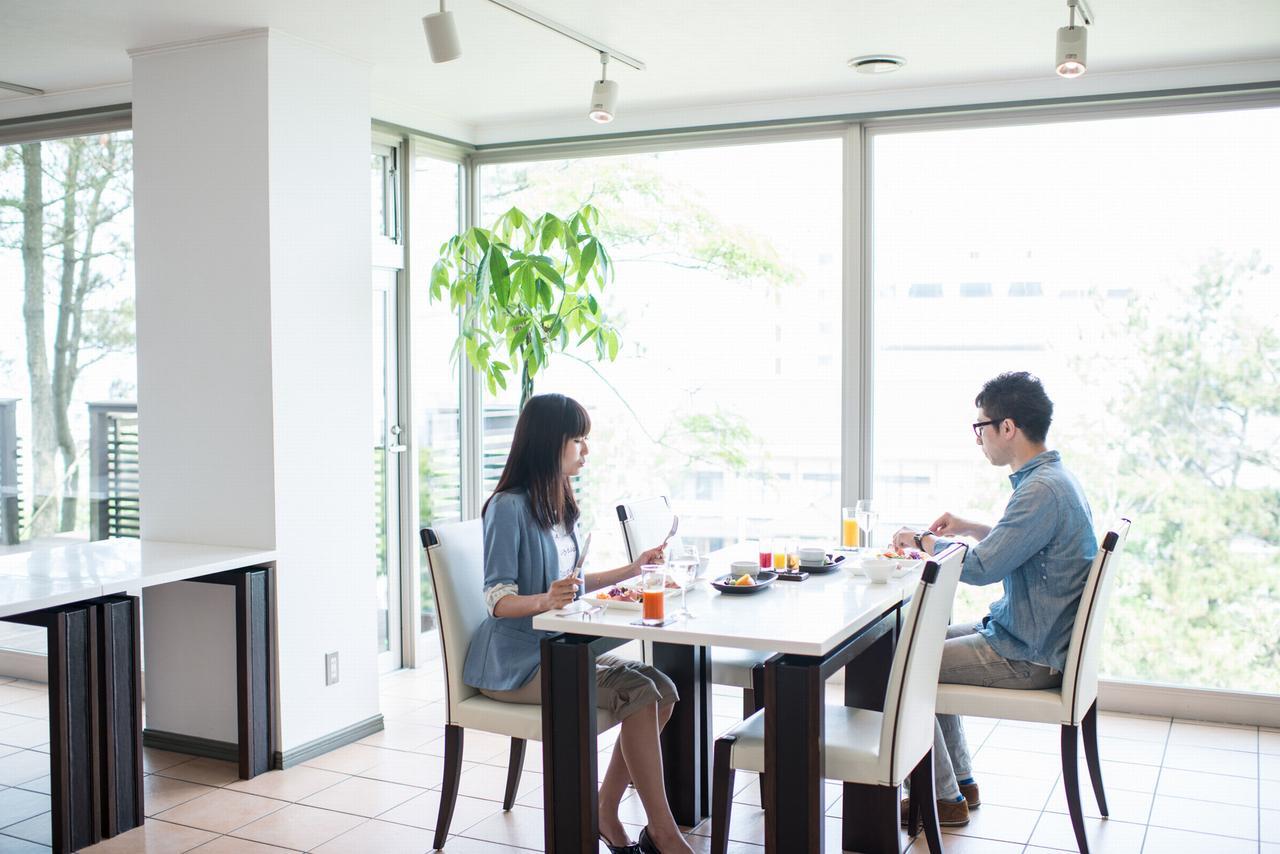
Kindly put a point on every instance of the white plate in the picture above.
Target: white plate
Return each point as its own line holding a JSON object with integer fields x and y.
{"x": 595, "y": 598}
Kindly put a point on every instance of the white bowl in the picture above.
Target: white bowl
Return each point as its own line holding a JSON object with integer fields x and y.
{"x": 745, "y": 567}
{"x": 813, "y": 556}
{"x": 879, "y": 570}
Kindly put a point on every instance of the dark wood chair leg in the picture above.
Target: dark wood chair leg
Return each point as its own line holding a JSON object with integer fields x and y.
{"x": 913, "y": 812}
{"x": 514, "y": 767}
{"x": 1089, "y": 729}
{"x": 449, "y": 785}
{"x": 871, "y": 818}
{"x": 722, "y": 775}
{"x": 748, "y": 703}
{"x": 924, "y": 800}
{"x": 1071, "y": 783}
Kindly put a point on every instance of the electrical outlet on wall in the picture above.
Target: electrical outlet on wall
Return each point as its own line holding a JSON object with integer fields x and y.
{"x": 331, "y": 668}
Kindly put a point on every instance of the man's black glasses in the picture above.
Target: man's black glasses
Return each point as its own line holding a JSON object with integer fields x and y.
{"x": 977, "y": 428}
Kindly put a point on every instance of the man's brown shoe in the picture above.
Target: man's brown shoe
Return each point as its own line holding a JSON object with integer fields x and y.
{"x": 971, "y": 796}
{"x": 950, "y": 813}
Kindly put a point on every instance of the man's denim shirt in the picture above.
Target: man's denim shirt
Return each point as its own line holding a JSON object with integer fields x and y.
{"x": 1041, "y": 549}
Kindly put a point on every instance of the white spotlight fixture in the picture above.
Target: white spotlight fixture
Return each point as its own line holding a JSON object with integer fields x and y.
{"x": 876, "y": 63}
{"x": 442, "y": 36}
{"x": 1073, "y": 41}
{"x": 604, "y": 95}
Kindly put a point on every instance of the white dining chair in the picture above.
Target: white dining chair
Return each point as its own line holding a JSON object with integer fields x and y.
{"x": 455, "y": 561}
{"x": 1074, "y": 705}
{"x": 863, "y": 747}
{"x": 645, "y": 524}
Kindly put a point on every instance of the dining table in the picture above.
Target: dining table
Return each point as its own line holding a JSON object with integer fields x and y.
{"x": 831, "y": 621}
{"x": 87, "y": 598}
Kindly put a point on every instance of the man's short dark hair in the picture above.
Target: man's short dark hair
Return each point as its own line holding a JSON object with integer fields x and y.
{"x": 1020, "y": 396}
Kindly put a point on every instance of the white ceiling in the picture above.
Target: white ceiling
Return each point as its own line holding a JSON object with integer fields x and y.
{"x": 700, "y": 54}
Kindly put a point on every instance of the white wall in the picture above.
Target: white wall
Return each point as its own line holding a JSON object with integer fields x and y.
{"x": 254, "y": 364}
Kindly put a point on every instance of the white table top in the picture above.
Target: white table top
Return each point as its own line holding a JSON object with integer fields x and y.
{"x": 801, "y": 617}
{"x": 31, "y": 580}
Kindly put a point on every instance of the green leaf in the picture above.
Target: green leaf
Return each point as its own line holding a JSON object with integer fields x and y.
{"x": 593, "y": 305}
{"x": 588, "y": 259}
{"x": 439, "y": 279}
{"x": 545, "y": 294}
{"x": 612, "y": 344}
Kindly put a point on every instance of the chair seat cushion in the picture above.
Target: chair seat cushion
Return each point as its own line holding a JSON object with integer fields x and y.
{"x": 1005, "y": 703}
{"x": 516, "y": 720}
{"x": 852, "y": 745}
{"x": 732, "y": 667}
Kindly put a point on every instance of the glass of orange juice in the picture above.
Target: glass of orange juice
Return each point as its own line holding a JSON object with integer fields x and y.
{"x": 653, "y": 581}
{"x": 780, "y": 554}
{"x": 849, "y": 527}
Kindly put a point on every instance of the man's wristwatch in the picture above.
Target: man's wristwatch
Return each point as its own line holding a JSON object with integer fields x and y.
{"x": 919, "y": 537}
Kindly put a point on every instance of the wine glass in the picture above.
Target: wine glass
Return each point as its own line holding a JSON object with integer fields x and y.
{"x": 684, "y": 565}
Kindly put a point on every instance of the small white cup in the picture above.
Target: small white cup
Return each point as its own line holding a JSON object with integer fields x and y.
{"x": 879, "y": 570}
{"x": 744, "y": 567}
{"x": 812, "y": 556}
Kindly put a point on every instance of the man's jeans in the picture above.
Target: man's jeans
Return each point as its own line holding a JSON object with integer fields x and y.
{"x": 967, "y": 659}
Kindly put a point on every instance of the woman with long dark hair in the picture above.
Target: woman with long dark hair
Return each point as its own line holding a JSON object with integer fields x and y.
{"x": 530, "y": 554}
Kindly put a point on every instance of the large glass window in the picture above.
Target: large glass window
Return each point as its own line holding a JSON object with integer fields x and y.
{"x": 724, "y": 395}
{"x": 436, "y": 216}
{"x": 68, "y": 422}
{"x": 1128, "y": 262}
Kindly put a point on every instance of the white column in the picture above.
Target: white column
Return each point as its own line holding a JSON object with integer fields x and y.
{"x": 254, "y": 361}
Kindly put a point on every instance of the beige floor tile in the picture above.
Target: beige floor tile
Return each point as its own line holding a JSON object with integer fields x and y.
{"x": 9, "y": 694}
{"x": 1269, "y": 741}
{"x": 1130, "y": 750}
{"x": 221, "y": 810}
{"x": 1208, "y": 787}
{"x": 399, "y": 735}
{"x": 1016, "y": 763}
{"x": 299, "y": 827}
{"x": 154, "y": 759}
{"x": 232, "y": 845}
{"x": 477, "y": 746}
{"x": 12, "y": 845}
{"x": 431, "y": 714}
{"x": 954, "y": 844}
{"x": 1269, "y": 766}
{"x": 392, "y": 706}
{"x": 1162, "y": 840}
{"x": 1200, "y": 816}
{"x": 38, "y": 829}
{"x": 1124, "y": 775}
{"x": 1220, "y": 736}
{"x": 1269, "y": 791}
{"x": 1269, "y": 825}
{"x": 162, "y": 793}
{"x": 1003, "y": 824}
{"x": 1021, "y": 738}
{"x": 349, "y": 759}
{"x": 1270, "y": 848}
{"x": 702, "y": 845}
{"x": 411, "y": 769}
{"x": 1021, "y": 792}
{"x": 490, "y": 782}
{"x": 40, "y": 784}
{"x": 360, "y": 796}
{"x": 23, "y": 766}
{"x": 1133, "y": 807}
{"x": 522, "y": 827}
{"x": 1238, "y": 763}
{"x": 154, "y": 837}
{"x": 466, "y": 845}
{"x": 1138, "y": 727}
{"x": 423, "y": 811}
{"x": 28, "y": 735}
{"x": 19, "y": 805}
{"x": 832, "y": 833}
{"x": 209, "y": 772}
{"x": 746, "y": 824}
{"x": 35, "y": 706}
{"x": 7, "y": 720}
{"x": 292, "y": 784}
{"x": 1105, "y": 837}
{"x": 382, "y": 837}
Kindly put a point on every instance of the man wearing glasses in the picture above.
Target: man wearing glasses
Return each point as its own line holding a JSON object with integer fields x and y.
{"x": 1040, "y": 551}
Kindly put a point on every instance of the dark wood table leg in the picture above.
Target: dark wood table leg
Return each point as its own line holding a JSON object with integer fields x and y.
{"x": 570, "y": 800}
{"x": 794, "y": 727}
{"x": 120, "y": 702}
{"x": 686, "y": 740}
{"x": 255, "y": 660}
{"x": 73, "y": 713}
{"x": 870, "y": 818}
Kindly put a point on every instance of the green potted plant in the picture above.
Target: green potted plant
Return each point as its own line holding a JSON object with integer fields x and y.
{"x": 527, "y": 288}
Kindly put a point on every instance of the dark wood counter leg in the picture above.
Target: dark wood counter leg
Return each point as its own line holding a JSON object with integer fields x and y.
{"x": 794, "y": 727}
{"x": 686, "y": 739}
{"x": 73, "y": 712}
{"x": 120, "y": 704}
{"x": 570, "y": 800}
{"x": 255, "y": 658}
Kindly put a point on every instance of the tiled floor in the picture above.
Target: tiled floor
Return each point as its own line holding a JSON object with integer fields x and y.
{"x": 1173, "y": 787}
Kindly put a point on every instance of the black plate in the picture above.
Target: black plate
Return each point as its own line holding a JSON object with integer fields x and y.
{"x": 763, "y": 580}
{"x": 830, "y": 566}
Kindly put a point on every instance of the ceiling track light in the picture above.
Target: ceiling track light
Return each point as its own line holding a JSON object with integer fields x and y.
{"x": 876, "y": 63}
{"x": 604, "y": 95}
{"x": 1073, "y": 42}
{"x": 442, "y": 36}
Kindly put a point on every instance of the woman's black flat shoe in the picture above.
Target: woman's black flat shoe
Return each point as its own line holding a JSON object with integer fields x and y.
{"x": 629, "y": 848}
{"x": 646, "y": 845}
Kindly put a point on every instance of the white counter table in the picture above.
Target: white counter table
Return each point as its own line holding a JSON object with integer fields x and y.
{"x": 86, "y": 597}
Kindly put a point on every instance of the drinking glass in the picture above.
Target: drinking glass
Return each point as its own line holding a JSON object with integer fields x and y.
{"x": 684, "y": 563}
{"x": 653, "y": 586}
{"x": 866, "y": 516}
{"x": 849, "y": 527}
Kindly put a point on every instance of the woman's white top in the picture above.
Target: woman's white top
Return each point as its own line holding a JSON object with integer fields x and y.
{"x": 565, "y": 548}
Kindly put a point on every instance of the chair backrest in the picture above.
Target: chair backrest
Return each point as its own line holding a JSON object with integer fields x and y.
{"x": 1080, "y": 678}
{"x": 455, "y": 561}
{"x": 911, "y": 695}
{"x": 644, "y": 523}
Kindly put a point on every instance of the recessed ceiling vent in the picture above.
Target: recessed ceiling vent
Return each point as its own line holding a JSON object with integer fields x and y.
{"x": 876, "y": 63}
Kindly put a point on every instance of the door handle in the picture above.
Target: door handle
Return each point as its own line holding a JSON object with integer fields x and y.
{"x": 397, "y": 449}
